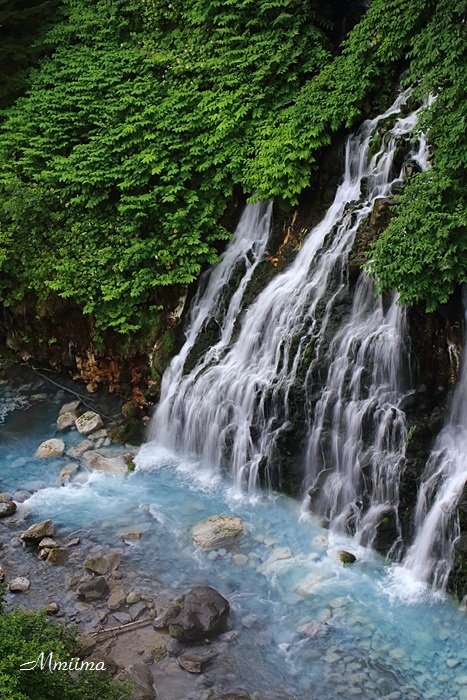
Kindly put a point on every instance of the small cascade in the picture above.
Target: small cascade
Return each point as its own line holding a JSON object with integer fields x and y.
{"x": 431, "y": 555}
{"x": 233, "y": 408}
{"x": 357, "y": 436}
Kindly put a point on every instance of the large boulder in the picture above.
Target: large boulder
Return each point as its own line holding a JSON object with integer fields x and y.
{"x": 7, "y": 508}
{"x": 50, "y": 448}
{"x": 94, "y": 460}
{"x": 93, "y": 589}
{"x": 217, "y": 530}
{"x": 38, "y": 531}
{"x": 88, "y": 423}
{"x": 203, "y": 613}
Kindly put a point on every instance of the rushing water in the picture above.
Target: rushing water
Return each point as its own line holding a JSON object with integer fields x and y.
{"x": 362, "y": 642}
{"x": 232, "y": 409}
{"x": 431, "y": 555}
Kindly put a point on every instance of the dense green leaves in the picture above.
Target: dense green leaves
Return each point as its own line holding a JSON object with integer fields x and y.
{"x": 118, "y": 163}
{"x": 423, "y": 253}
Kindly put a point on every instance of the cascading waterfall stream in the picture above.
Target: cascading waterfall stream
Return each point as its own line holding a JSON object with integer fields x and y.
{"x": 232, "y": 408}
{"x": 431, "y": 554}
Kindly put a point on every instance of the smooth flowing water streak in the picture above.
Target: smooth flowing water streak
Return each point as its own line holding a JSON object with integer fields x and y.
{"x": 232, "y": 409}
{"x": 431, "y": 555}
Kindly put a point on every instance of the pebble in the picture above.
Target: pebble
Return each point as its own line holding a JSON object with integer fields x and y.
{"x": 240, "y": 559}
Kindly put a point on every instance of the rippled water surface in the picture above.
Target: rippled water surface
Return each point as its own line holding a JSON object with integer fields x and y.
{"x": 308, "y": 627}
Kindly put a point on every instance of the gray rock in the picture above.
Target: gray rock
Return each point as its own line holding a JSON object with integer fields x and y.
{"x": 52, "y": 609}
{"x": 102, "y": 564}
{"x": 133, "y": 597}
{"x": 116, "y": 599}
{"x": 68, "y": 472}
{"x": 122, "y": 617}
{"x": 50, "y": 448}
{"x": 196, "y": 661}
{"x": 217, "y": 530}
{"x": 69, "y": 407}
{"x": 346, "y": 557}
{"x": 21, "y": 496}
{"x": 141, "y": 676}
{"x": 56, "y": 555}
{"x": 88, "y": 423}
{"x": 204, "y": 612}
{"x": 79, "y": 449}
{"x": 7, "y": 508}
{"x": 66, "y": 420}
{"x": 279, "y": 554}
{"x": 19, "y": 584}
{"x": 137, "y": 609}
{"x": 93, "y": 589}
{"x": 38, "y": 531}
{"x": 95, "y": 460}
{"x": 173, "y": 647}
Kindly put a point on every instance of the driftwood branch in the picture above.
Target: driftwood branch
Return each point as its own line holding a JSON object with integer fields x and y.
{"x": 123, "y": 627}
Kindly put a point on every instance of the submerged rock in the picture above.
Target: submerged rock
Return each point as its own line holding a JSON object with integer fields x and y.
{"x": 69, "y": 407}
{"x": 7, "y": 508}
{"x": 203, "y": 612}
{"x": 79, "y": 449}
{"x": 279, "y": 554}
{"x": 50, "y": 448}
{"x": 95, "y": 460}
{"x": 56, "y": 555}
{"x": 88, "y": 423}
{"x": 38, "y": 531}
{"x": 68, "y": 472}
{"x": 217, "y": 530}
{"x": 196, "y": 661}
{"x": 103, "y": 564}
{"x": 93, "y": 589}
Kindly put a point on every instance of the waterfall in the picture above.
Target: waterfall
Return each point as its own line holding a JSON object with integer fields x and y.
{"x": 431, "y": 554}
{"x": 233, "y": 407}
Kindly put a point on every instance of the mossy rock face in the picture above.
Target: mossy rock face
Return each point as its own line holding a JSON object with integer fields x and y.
{"x": 130, "y": 431}
{"x": 132, "y": 409}
{"x": 346, "y": 557}
{"x": 57, "y": 555}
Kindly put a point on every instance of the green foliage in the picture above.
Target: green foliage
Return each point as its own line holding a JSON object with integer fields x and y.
{"x": 23, "y": 636}
{"x": 118, "y": 164}
{"x": 423, "y": 252}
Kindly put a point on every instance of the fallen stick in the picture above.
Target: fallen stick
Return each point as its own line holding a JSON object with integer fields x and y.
{"x": 102, "y": 630}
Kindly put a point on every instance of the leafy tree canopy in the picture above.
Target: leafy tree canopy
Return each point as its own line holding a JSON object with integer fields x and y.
{"x": 117, "y": 164}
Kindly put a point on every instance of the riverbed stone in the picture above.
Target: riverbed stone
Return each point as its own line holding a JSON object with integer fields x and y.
{"x": 133, "y": 597}
{"x": 203, "y": 612}
{"x": 141, "y": 676}
{"x": 93, "y": 589}
{"x": 79, "y": 449}
{"x": 88, "y": 423}
{"x": 279, "y": 554}
{"x": 196, "y": 661}
{"x": 70, "y": 407}
{"x": 66, "y": 420}
{"x": 21, "y": 496}
{"x": 7, "y": 508}
{"x": 38, "y": 531}
{"x": 99, "y": 462}
{"x": 158, "y": 652}
{"x": 216, "y": 530}
{"x": 52, "y": 609}
{"x": 50, "y": 448}
{"x": 56, "y": 555}
{"x": 116, "y": 599}
{"x": 47, "y": 542}
{"x": 103, "y": 563}
{"x": 20, "y": 584}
